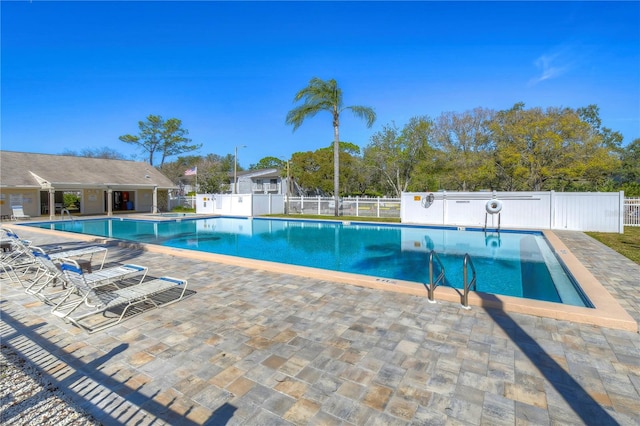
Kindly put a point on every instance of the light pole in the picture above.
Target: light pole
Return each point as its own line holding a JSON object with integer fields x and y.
{"x": 235, "y": 168}
{"x": 288, "y": 181}
{"x": 286, "y": 205}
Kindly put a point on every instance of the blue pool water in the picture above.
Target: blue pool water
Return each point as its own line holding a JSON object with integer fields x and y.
{"x": 519, "y": 264}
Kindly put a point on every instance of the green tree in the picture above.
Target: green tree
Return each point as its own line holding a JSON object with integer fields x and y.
{"x": 322, "y": 95}
{"x": 631, "y": 162}
{"x": 159, "y": 136}
{"x": 313, "y": 170}
{"x": 552, "y": 149}
{"x": 351, "y": 182}
{"x": 213, "y": 172}
{"x": 310, "y": 171}
{"x": 630, "y": 169}
{"x": 395, "y": 154}
{"x": 463, "y": 139}
{"x": 214, "y": 178}
{"x": 268, "y": 163}
{"x": 174, "y": 170}
{"x": 174, "y": 140}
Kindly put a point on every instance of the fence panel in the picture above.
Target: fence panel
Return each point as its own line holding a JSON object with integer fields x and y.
{"x": 391, "y": 208}
{"x": 537, "y": 210}
{"x": 349, "y": 206}
{"x": 632, "y": 212}
{"x": 182, "y": 201}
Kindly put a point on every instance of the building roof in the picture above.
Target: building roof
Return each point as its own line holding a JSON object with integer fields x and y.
{"x": 28, "y": 170}
{"x": 260, "y": 173}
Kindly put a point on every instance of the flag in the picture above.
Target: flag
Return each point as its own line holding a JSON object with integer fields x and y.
{"x": 192, "y": 171}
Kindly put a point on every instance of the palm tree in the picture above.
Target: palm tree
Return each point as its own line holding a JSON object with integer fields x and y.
{"x": 322, "y": 95}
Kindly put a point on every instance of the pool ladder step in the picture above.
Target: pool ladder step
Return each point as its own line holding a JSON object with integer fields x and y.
{"x": 468, "y": 285}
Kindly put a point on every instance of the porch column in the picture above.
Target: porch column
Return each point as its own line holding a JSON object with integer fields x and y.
{"x": 109, "y": 202}
{"x": 52, "y": 203}
{"x": 154, "y": 207}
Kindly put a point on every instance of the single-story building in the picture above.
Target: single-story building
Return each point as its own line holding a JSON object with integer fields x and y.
{"x": 38, "y": 182}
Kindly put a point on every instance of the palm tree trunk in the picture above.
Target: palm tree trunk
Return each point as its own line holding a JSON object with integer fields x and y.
{"x": 336, "y": 169}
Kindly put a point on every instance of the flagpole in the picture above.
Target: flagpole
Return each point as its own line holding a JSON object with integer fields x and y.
{"x": 196, "y": 189}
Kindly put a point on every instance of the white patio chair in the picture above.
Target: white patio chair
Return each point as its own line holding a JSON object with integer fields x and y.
{"x": 49, "y": 276}
{"x": 111, "y": 305}
{"x": 18, "y": 213}
{"x": 15, "y": 256}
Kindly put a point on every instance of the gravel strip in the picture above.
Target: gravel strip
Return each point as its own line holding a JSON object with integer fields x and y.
{"x": 27, "y": 398}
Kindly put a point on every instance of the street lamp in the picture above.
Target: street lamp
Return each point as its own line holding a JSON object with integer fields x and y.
{"x": 235, "y": 169}
{"x": 286, "y": 206}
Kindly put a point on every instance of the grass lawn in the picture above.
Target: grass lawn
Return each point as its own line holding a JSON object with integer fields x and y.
{"x": 627, "y": 244}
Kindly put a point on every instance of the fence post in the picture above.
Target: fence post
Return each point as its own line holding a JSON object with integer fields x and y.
{"x": 445, "y": 210}
{"x": 621, "y": 210}
{"x": 318, "y": 205}
{"x": 552, "y": 209}
{"x": 378, "y": 208}
{"x": 357, "y": 206}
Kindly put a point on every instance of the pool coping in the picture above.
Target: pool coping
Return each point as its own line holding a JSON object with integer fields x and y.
{"x": 606, "y": 313}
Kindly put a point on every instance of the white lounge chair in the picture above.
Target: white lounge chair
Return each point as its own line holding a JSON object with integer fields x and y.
{"x": 49, "y": 275}
{"x": 18, "y": 213}
{"x": 19, "y": 256}
{"x": 85, "y": 254}
{"x": 15, "y": 256}
{"x": 112, "y": 304}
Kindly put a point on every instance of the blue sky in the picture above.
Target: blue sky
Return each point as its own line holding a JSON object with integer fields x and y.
{"x": 79, "y": 74}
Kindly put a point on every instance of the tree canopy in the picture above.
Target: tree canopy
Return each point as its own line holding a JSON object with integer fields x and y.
{"x": 166, "y": 137}
{"x": 268, "y": 163}
{"x": 517, "y": 149}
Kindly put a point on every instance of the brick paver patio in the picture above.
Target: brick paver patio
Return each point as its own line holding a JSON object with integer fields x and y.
{"x": 259, "y": 348}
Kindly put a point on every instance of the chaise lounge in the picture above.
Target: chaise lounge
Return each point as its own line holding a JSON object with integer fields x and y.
{"x": 111, "y": 305}
{"x": 49, "y": 275}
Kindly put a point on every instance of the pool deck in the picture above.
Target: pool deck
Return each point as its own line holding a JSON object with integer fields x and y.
{"x": 260, "y": 347}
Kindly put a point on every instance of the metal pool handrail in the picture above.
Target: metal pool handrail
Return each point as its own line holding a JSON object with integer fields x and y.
{"x": 433, "y": 284}
{"x": 468, "y": 285}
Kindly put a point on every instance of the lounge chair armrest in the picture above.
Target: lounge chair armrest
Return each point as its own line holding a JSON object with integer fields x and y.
{"x": 177, "y": 281}
{"x": 138, "y": 267}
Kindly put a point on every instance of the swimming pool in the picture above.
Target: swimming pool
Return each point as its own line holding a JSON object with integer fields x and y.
{"x": 518, "y": 264}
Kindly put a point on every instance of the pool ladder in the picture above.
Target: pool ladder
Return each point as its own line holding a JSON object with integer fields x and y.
{"x": 486, "y": 217}
{"x": 434, "y": 283}
{"x": 468, "y": 285}
{"x": 63, "y": 211}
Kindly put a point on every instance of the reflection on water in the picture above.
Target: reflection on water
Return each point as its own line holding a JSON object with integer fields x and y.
{"x": 507, "y": 263}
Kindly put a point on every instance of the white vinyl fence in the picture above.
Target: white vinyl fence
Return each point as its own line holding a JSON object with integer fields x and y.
{"x": 240, "y": 204}
{"x": 349, "y": 206}
{"x": 182, "y": 201}
{"x": 605, "y": 212}
{"x": 632, "y": 212}
{"x": 577, "y": 211}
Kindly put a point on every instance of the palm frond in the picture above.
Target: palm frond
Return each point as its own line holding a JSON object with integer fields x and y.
{"x": 364, "y": 112}
{"x": 296, "y": 116}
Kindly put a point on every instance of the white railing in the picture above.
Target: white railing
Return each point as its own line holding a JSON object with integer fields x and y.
{"x": 266, "y": 187}
{"x": 632, "y": 211}
{"x": 349, "y": 206}
{"x": 182, "y": 201}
